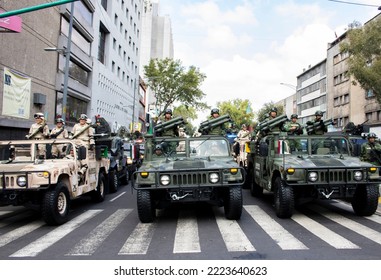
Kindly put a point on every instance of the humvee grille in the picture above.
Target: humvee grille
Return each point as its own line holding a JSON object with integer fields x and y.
{"x": 189, "y": 179}
{"x": 336, "y": 176}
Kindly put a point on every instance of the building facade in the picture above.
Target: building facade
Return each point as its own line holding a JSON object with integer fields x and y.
{"x": 103, "y": 73}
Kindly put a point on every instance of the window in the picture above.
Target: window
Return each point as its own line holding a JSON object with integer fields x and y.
{"x": 104, "y": 4}
{"x": 76, "y": 37}
{"x": 86, "y": 14}
{"x": 369, "y": 93}
{"x": 78, "y": 73}
{"x": 74, "y": 108}
{"x": 102, "y": 43}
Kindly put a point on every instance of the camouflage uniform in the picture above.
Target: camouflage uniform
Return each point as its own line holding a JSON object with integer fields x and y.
{"x": 318, "y": 124}
{"x": 40, "y": 131}
{"x": 371, "y": 152}
{"x": 86, "y": 137}
{"x": 59, "y": 132}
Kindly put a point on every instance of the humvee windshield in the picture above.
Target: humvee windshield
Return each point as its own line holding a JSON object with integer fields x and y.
{"x": 314, "y": 146}
{"x": 16, "y": 153}
{"x": 190, "y": 147}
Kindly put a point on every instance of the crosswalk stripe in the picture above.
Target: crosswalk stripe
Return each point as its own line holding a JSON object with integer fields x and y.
{"x": 139, "y": 240}
{"x": 19, "y": 232}
{"x": 350, "y": 224}
{"x": 186, "y": 239}
{"x": 282, "y": 237}
{"x": 324, "y": 233}
{"x": 36, "y": 247}
{"x": 88, "y": 245}
{"x": 232, "y": 234}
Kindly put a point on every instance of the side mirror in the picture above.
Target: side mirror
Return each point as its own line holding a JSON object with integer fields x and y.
{"x": 82, "y": 152}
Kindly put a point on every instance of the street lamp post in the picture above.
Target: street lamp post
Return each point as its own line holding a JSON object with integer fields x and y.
{"x": 289, "y": 85}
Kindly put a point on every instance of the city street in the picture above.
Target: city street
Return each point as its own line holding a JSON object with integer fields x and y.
{"x": 111, "y": 231}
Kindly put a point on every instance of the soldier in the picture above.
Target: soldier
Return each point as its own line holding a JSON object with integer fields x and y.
{"x": 318, "y": 125}
{"x": 59, "y": 132}
{"x": 217, "y": 130}
{"x": 371, "y": 150}
{"x": 272, "y": 114}
{"x": 292, "y": 127}
{"x": 84, "y": 132}
{"x": 243, "y": 138}
{"x": 39, "y": 131}
{"x": 173, "y": 132}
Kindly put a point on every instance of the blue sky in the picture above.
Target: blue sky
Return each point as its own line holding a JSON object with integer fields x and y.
{"x": 247, "y": 48}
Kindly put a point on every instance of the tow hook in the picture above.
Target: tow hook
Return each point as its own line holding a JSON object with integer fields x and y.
{"x": 12, "y": 196}
{"x": 326, "y": 195}
{"x": 176, "y": 197}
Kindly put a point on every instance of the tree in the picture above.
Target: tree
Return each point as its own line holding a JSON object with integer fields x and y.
{"x": 264, "y": 112}
{"x": 239, "y": 111}
{"x": 171, "y": 82}
{"x": 188, "y": 114}
{"x": 363, "y": 46}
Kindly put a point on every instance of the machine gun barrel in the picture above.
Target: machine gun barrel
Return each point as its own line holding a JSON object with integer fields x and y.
{"x": 269, "y": 124}
{"x": 169, "y": 124}
{"x": 209, "y": 124}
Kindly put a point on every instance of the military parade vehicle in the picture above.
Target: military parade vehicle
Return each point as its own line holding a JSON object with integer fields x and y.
{"x": 51, "y": 183}
{"x": 188, "y": 170}
{"x": 301, "y": 168}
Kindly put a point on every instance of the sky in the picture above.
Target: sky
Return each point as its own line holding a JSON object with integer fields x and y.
{"x": 247, "y": 48}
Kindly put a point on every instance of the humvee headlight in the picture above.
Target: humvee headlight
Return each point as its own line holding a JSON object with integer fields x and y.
{"x": 290, "y": 171}
{"x": 357, "y": 175}
{"x": 312, "y": 176}
{"x": 233, "y": 171}
{"x": 165, "y": 180}
{"x": 213, "y": 178}
{"x": 144, "y": 174}
{"x": 129, "y": 160}
{"x": 372, "y": 169}
{"x": 21, "y": 181}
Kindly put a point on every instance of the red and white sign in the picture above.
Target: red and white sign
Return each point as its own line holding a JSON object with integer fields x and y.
{"x": 11, "y": 24}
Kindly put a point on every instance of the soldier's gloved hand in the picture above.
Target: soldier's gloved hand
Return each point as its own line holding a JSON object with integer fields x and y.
{"x": 53, "y": 136}
{"x": 92, "y": 147}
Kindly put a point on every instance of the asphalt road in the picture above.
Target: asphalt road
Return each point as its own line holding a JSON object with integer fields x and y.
{"x": 111, "y": 230}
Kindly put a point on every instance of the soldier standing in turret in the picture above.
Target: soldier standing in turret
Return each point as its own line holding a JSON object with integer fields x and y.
{"x": 217, "y": 130}
{"x": 319, "y": 127}
{"x": 371, "y": 150}
{"x": 292, "y": 127}
{"x": 59, "y": 132}
{"x": 173, "y": 132}
{"x": 39, "y": 131}
{"x": 84, "y": 132}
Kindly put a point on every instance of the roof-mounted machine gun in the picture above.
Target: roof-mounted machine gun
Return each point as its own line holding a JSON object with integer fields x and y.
{"x": 171, "y": 124}
{"x": 352, "y": 129}
{"x": 208, "y": 125}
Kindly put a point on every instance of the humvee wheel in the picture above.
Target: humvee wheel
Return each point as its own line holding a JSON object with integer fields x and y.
{"x": 233, "y": 203}
{"x": 55, "y": 205}
{"x": 114, "y": 181}
{"x": 146, "y": 208}
{"x": 283, "y": 199}
{"x": 365, "y": 200}
{"x": 98, "y": 195}
{"x": 125, "y": 177}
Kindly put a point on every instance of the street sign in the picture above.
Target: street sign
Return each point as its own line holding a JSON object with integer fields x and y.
{"x": 10, "y": 24}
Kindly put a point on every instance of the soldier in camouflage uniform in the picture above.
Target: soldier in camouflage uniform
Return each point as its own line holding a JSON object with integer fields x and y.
{"x": 371, "y": 150}
{"x": 39, "y": 131}
{"x": 319, "y": 127}
{"x": 292, "y": 127}
{"x": 218, "y": 130}
{"x": 59, "y": 132}
{"x": 169, "y": 132}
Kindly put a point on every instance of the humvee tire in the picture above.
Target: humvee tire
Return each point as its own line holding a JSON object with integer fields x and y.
{"x": 56, "y": 204}
{"x": 365, "y": 200}
{"x": 283, "y": 199}
{"x": 146, "y": 208}
{"x": 233, "y": 203}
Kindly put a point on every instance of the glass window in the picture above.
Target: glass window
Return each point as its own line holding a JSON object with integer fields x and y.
{"x": 76, "y": 37}
{"x": 102, "y": 44}
{"x": 74, "y": 108}
{"x": 104, "y": 4}
{"x": 78, "y": 73}
{"x": 85, "y": 12}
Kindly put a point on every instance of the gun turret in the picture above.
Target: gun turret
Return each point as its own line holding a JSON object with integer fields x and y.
{"x": 270, "y": 124}
{"x": 169, "y": 124}
{"x": 359, "y": 129}
{"x": 212, "y": 123}
{"x": 311, "y": 127}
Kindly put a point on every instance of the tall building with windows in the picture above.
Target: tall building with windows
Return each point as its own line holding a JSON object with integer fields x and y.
{"x": 103, "y": 72}
{"x": 157, "y": 40}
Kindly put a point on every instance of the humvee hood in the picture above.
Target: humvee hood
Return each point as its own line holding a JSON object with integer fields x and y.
{"x": 20, "y": 167}
{"x": 328, "y": 161}
{"x": 192, "y": 164}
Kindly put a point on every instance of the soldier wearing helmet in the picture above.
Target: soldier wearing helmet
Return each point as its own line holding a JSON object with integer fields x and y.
{"x": 371, "y": 150}
{"x": 273, "y": 113}
{"x": 292, "y": 127}
{"x": 173, "y": 132}
{"x": 217, "y": 130}
{"x": 59, "y": 132}
{"x": 83, "y": 131}
{"x": 319, "y": 128}
{"x": 39, "y": 131}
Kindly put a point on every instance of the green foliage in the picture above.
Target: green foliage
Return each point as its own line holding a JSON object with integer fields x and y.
{"x": 264, "y": 112}
{"x": 363, "y": 45}
{"x": 171, "y": 83}
{"x": 239, "y": 110}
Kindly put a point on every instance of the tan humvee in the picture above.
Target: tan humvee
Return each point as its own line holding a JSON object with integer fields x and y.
{"x": 51, "y": 183}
